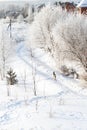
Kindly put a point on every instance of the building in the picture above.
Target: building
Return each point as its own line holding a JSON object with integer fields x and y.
{"x": 82, "y": 7}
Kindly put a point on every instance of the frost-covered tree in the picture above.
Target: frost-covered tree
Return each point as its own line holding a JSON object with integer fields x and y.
{"x": 5, "y": 49}
{"x": 62, "y": 34}
{"x": 40, "y": 32}
{"x": 70, "y": 36}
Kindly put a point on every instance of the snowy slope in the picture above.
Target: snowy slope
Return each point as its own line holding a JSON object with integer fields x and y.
{"x": 60, "y": 104}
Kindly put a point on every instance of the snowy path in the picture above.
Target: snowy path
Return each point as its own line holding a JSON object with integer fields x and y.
{"x": 65, "y": 83}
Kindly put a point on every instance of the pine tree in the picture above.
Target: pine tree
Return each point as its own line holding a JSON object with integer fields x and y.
{"x": 11, "y": 77}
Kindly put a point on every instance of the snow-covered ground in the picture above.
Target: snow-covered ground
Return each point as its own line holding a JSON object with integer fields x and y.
{"x": 60, "y": 104}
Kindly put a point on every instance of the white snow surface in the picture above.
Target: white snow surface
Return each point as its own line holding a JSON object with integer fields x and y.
{"x": 60, "y": 104}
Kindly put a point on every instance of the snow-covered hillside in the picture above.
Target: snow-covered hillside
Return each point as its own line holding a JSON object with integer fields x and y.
{"x": 60, "y": 104}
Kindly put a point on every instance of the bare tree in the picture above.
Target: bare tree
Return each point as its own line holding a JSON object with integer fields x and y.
{"x": 10, "y": 27}
{"x": 24, "y": 78}
{"x": 33, "y": 73}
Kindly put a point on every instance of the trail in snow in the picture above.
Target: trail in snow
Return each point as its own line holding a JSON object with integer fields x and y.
{"x": 65, "y": 88}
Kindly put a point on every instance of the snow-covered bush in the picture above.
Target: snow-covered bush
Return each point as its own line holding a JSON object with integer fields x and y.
{"x": 64, "y": 70}
{"x": 69, "y": 72}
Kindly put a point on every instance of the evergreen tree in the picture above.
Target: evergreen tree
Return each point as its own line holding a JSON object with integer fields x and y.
{"x": 11, "y": 77}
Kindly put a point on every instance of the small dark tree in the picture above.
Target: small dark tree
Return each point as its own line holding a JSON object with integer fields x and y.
{"x": 54, "y": 75}
{"x": 11, "y": 77}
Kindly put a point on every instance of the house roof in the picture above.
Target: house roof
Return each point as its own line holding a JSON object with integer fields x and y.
{"x": 83, "y": 3}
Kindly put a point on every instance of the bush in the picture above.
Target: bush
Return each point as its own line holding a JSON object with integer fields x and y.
{"x": 69, "y": 72}
{"x": 64, "y": 70}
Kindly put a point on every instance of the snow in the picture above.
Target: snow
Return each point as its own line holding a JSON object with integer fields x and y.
{"x": 60, "y": 104}
{"x": 83, "y": 3}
